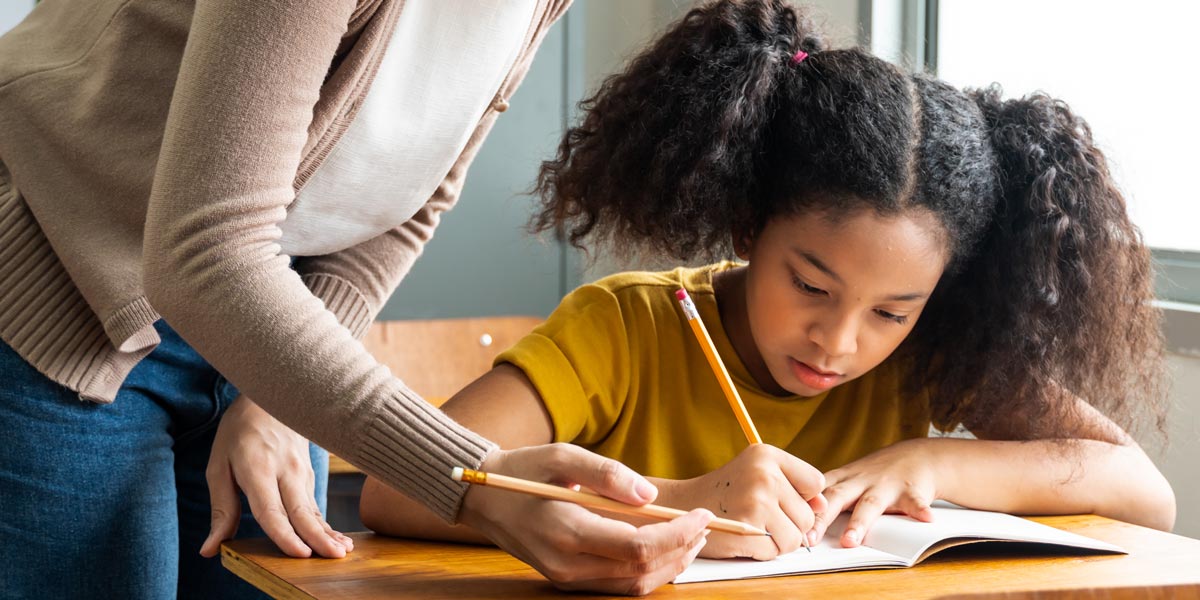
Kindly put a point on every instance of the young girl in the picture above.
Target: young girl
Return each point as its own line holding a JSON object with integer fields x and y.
{"x": 913, "y": 254}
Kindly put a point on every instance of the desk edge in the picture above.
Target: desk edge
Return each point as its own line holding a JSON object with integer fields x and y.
{"x": 261, "y": 578}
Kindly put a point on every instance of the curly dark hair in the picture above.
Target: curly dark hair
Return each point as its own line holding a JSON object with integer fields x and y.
{"x": 715, "y": 129}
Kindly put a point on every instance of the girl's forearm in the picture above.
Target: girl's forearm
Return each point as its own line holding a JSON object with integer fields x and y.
{"x": 1054, "y": 477}
{"x": 388, "y": 512}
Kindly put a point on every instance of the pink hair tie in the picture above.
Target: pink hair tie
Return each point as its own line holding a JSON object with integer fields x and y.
{"x": 799, "y": 57}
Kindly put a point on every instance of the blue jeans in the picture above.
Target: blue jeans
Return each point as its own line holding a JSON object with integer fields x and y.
{"x": 110, "y": 501}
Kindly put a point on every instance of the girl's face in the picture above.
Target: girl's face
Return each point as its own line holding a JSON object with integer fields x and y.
{"x": 828, "y": 300}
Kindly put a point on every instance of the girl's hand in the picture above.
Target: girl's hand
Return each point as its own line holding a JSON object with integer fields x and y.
{"x": 574, "y": 548}
{"x": 763, "y": 486}
{"x": 270, "y": 463}
{"x": 897, "y": 479}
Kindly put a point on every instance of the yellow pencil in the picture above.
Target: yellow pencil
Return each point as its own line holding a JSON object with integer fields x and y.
{"x": 554, "y": 492}
{"x": 718, "y": 367}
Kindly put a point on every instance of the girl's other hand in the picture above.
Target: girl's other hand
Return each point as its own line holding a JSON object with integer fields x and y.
{"x": 574, "y": 548}
{"x": 270, "y": 463}
{"x": 897, "y": 479}
{"x": 763, "y": 486}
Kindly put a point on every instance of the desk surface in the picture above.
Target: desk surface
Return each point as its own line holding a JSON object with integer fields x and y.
{"x": 383, "y": 567}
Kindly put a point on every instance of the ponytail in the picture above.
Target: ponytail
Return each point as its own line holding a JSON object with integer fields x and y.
{"x": 1055, "y": 300}
{"x": 666, "y": 153}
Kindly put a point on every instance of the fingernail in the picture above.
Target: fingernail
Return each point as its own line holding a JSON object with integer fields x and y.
{"x": 812, "y": 537}
{"x": 644, "y": 490}
{"x": 852, "y": 535}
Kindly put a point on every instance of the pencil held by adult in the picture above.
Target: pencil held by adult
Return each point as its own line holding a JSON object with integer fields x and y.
{"x": 574, "y": 548}
{"x": 591, "y": 500}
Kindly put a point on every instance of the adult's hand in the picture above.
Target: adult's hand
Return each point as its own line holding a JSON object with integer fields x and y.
{"x": 270, "y": 463}
{"x": 572, "y": 547}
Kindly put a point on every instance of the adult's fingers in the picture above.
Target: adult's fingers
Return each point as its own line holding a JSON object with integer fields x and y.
{"x": 620, "y": 541}
{"x": 570, "y": 464}
{"x": 306, "y": 519}
{"x": 586, "y": 571}
{"x": 268, "y": 509}
{"x": 644, "y": 584}
{"x": 599, "y": 549}
{"x": 226, "y": 507}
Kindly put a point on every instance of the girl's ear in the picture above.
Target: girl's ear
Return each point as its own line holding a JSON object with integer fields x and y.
{"x": 743, "y": 243}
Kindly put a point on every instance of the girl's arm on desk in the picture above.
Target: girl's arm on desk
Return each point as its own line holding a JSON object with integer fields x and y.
{"x": 1095, "y": 467}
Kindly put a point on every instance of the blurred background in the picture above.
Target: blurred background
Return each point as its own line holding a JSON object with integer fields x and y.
{"x": 1124, "y": 66}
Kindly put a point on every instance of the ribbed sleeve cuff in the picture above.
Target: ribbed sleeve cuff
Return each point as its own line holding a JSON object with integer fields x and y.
{"x": 343, "y": 299}
{"x": 413, "y": 446}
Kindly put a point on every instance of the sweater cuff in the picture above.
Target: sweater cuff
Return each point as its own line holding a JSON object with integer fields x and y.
{"x": 343, "y": 299}
{"x": 412, "y": 446}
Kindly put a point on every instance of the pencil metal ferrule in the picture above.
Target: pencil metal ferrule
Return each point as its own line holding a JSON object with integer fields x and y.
{"x": 476, "y": 477}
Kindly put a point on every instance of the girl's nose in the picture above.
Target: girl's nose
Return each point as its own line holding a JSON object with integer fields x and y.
{"x": 837, "y": 336}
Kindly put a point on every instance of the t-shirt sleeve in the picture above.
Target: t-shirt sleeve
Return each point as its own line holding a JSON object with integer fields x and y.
{"x": 579, "y": 361}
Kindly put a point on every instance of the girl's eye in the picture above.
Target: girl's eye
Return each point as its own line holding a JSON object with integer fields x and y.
{"x": 807, "y": 289}
{"x": 901, "y": 319}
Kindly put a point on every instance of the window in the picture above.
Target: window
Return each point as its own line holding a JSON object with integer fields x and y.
{"x": 1126, "y": 69}
{"x": 1123, "y": 67}
{"x": 11, "y": 13}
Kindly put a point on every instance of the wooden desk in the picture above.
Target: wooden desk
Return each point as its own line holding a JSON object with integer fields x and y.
{"x": 383, "y": 567}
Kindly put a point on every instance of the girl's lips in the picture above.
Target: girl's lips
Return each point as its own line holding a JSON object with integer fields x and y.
{"x": 818, "y": 380}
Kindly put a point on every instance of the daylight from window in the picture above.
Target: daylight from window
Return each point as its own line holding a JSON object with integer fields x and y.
{"x": 1118, "y": 65}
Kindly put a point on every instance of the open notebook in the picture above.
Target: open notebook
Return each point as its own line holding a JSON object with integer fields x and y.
{"x": 895, "y": 541}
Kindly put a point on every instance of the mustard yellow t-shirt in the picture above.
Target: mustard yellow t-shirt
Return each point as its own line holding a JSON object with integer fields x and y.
{"x": 621, "y": 374}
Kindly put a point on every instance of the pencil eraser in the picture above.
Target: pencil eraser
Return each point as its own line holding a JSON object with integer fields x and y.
{"x": 456, "y": 473}
{"x": 681, "y": 294}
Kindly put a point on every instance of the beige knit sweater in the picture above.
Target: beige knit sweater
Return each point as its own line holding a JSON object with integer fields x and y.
{"x": 149, "y": 151}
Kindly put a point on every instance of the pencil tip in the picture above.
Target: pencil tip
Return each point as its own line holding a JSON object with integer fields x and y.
{"x": 767, "y": 533}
